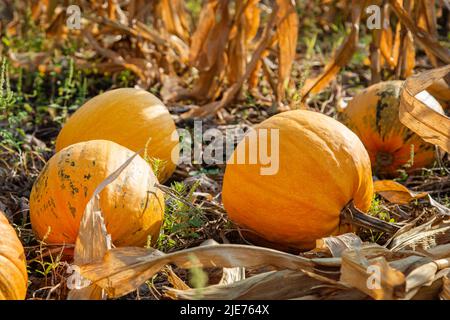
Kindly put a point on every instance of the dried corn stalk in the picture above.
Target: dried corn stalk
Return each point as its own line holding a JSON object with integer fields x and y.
{"x": 429, "y": 124}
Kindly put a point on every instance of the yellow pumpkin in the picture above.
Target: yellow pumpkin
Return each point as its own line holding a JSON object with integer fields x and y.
{"x": 128, "y": 117}
{"x": 132, "y": 206}
{"x": 373, "y": 116}
{"x": 322, "y": 166}
{"x": 13, "y": 265}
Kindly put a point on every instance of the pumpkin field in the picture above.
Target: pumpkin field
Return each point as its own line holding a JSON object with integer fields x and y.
{"x": 225, "y": 150}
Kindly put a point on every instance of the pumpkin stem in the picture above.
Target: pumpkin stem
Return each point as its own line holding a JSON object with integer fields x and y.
{"x": 384, "y": 159}
{"x": 351, "y": 214}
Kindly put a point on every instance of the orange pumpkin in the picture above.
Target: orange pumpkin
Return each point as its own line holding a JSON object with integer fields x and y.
{"x": 128, "y": 117}
{"x": 322, "y": 166}
{"x": 373, "y": 116}
{"x": 132, "y": 206}
{"x": 13, "y": 266}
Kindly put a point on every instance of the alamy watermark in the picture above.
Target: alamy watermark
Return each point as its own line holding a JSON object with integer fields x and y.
{"x": 374, "y": 18}
{"x": 73, "y": 21}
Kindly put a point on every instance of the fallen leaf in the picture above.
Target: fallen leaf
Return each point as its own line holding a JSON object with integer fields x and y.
{"x": 395, "y": 192}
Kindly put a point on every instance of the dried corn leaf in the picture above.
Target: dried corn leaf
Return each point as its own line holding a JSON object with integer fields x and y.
{"x": 205, "y": 24}
{"x": 368, "y": 271}
{"x": 231, "y": 275}
{"x": 273, "y": 285}
{"x": 445, "y": 294}
{"x": 440, "y": 207}
{"x": 424, "y": 275}
{"x": 341, "y": 58}
{"x": 210, "y": 37}
{"x": 174, "y": 16}
{"x": 232, "y": 91}
{"x": 287, "y": 31}
{"x": 424, "y": 236}
{"x": 427, "y": 21}
{"x": 423, "y": 37}
{"x": 175, "y": 281}
{"x": 395, "y": 192}
{"x": 93, "y": 240}
{"x": 440, "y": 90}
{"x": 386, "y": 38}
{"x": 429, "y": 124}
{"x": 337, "y": 244}
{"x": 125, "y": 269}
{"x": 410, "y": 55}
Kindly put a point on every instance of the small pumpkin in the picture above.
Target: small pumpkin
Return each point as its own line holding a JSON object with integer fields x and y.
{"x": 132, "y": 206}
{"x": 322, "y": 166}
{"x": 128, "y": 117}
{"x": 13, "y": 265}
{"x": 373, "y": 116}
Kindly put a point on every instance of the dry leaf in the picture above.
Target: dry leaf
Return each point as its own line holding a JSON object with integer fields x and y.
{"x": 423, "y": 37}
{"x": 287, "y": 30}
{"x": 338, "y": 244}
{"x": 125, "y": 269}
{"x": 445, "y": 294}
{"x": 429, "y": 124}
{"x": 93, "y": 240}
{"x": 425, "y": 236}
{"x": 174, "y": 16}
{"x": 360, "y": 271}
{"x": 341, "y": 58}
{"x": 274, "y": 285}
{"x": 395, "y": 192}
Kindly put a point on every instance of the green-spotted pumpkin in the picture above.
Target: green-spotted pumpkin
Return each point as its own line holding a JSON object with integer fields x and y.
{"x": 132, "y": 206}
{"x": 374, "y": 116}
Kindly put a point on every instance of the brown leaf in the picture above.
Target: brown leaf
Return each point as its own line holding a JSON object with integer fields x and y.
{"x": 425, "y": 236}
{"x": 355, "y": 272}
{"x": 427, "y": 21}
{"x": 425, "y": 39}
{"x": 93, "y": 240}
{"x": 341, "y": 58}
{"x": 287, "y": 31}
{"x": 431, "y": 125}
{"x": 273, "y": 285}
{"x": 174, "y": 16}
{"x": 337, "y": 244}
{"x": 231, "y": 92}
{"x": 125, "y": 269}
{"x": 395, "y": 192}
{"x": 445, "y": 294}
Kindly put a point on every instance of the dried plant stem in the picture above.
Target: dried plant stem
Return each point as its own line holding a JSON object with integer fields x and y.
{"x": 351, "y": 214}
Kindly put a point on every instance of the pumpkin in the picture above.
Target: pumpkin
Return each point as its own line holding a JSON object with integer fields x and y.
{"x": 131, "y": 205}
{"x": 322, "y": 166}
{"x": 13, "y": 266}
{"x": 373, "y": 116}
{"x": 129, "y": 117}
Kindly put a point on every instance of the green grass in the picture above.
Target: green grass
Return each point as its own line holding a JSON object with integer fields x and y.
{"x": 181, "y": 220}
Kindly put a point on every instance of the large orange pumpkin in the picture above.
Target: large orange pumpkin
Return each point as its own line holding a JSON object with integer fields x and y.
{"x": 373, "y": 116}
{"x": 132, "y": 206}
{"x": 128, "y": 117}
{"x": 322, "y": 166}
{"x": 13, "y": 266}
